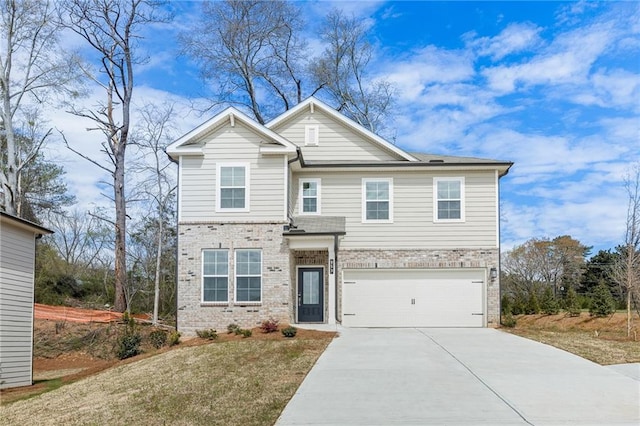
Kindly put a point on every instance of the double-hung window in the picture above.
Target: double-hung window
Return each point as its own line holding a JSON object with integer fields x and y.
{"x": 448, "y": 199}
{"x": 309, "y": 196}
{"x": 232, "y": 187}
{"x": 377, "y": 200}
{"x": 249, "y": 276}
{"x": 215, "y": 276}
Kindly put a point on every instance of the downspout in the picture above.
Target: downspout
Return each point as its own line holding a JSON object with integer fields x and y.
{"x": 335, "y": 260}
{"x": 177, "y": 234}
{"x": 289, "y": 162}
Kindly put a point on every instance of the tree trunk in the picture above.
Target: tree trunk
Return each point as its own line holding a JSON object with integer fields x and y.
{"x": 156, "y": 293}
{"x": 120, "y": 303}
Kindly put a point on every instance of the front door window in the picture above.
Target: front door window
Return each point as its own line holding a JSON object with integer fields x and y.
{"x": 310, "y": 295}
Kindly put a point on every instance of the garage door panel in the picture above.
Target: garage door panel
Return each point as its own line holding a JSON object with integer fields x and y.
{"x": 413, "y": 298}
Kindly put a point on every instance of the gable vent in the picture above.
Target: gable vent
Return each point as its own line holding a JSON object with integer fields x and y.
{"x": 311, "y": 135}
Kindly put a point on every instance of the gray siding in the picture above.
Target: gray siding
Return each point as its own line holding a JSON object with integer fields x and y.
{"x": 17, "y": 252}
{"x": 413, "y": 226}
{"x": 227, "y": 145}
{"x": 336, "y": 141}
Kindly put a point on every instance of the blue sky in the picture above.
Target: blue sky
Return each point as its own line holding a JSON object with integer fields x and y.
{"x": 551, "y": 86}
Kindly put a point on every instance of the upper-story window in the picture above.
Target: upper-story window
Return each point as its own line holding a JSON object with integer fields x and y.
{"x": 311, "y": 135}
{"x": 377, "y": 200}
{"x": 232, "y": 187}
{"x": 448, "y": 199}
{"x": 309, "y": 196}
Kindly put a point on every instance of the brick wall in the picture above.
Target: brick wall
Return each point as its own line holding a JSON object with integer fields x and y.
{"x": 276, "y": 275}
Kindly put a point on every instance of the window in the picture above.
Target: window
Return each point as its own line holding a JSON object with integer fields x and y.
{"x": 377, "y": 200}
{"x": 215, "y": 275}
{"x": 448, "y": 199}
{"x": 248, "y": 276}
{"x": 309, "y": 202}
{"x": 311, "y": 135}
{"x": 233, "y": 187}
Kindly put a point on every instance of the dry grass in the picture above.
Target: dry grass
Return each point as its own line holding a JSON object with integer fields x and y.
{"x": 601, "y": 340}
{"x": 244, "y": 382}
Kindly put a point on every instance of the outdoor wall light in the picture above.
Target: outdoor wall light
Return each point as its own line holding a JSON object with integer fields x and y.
{"x": 493, "y": 274}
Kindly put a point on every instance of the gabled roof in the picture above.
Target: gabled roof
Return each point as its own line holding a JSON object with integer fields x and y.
{"x": 314, "y": 103}
{"x": 187, "y": 144}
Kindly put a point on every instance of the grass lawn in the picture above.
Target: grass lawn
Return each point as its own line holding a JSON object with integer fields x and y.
{"x": 601, "y": 340}
{"x": 241, "y": 382}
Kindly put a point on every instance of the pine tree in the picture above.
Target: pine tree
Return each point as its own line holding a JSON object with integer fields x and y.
{"x": 549, "y": 303}
{"x": 533, "y": 305}
{"x": 571, "y": 303}
{"x": 602, "y": 303}
{"x": 506, "y": 305}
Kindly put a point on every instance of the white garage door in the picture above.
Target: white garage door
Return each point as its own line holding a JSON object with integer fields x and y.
{"x": 413, "y": 298}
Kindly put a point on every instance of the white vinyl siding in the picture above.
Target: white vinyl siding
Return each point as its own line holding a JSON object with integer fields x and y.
{"x": 17, "y": 246}
{"x": 413, "y": 225}
{"x": 377, "y": 200}
{"x": 215, "y": 276}
{"x": 336, "y": 142}
{"x": 309, "y": 201}
{"x": 248, "y": 276}
{"x": 266, "y": 178}
{"x": 448, "y": 199}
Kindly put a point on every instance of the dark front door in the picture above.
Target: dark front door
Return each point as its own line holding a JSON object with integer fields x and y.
{"x": 310, "y": 295}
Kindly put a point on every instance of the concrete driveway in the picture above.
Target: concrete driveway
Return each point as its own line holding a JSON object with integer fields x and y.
{"x": 457, "y": 377}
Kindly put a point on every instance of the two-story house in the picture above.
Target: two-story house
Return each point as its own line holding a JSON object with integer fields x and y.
{"x": 311, "y": 218}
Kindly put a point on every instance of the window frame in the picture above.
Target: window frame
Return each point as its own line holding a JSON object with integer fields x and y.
{"x": 236, "y": 276}
{"x": 203, "y": 276}
{"x": 436, "y": 199}
{"x": 219, "y": 187}
{"x": 364, "y": 200}
{"x": 301, "y": 196}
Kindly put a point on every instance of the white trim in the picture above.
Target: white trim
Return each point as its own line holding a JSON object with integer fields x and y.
{"x": 364, "y": 200}
{"x": 247, "y": 189}
{"x": 318, "y": 183}
{"x": 213, "y": 302}
{"x": 181, "y": 145}
{"x": 311, "y": 134}
{"x": 436, "y": 180}
{"x": 286, "y": 189}
{"x": 324, "y": 301}
{"x": 235, "y": 277}
{"x": 179, "y": 197}
{"x": 341, "y": 119}
{"x": 497, "y": 209}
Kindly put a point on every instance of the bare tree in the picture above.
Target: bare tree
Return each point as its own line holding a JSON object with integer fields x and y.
{"x": 110, "y": 28}
{"x": 343, "y": 72}
{"x": 251, "y": 50}
{"x": 626, "y": 269}
{"x": 30, "y": 71}
{"x": 158, "y": 186}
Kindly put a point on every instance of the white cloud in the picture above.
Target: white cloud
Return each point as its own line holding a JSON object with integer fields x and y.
{"x": 515, "y": 38}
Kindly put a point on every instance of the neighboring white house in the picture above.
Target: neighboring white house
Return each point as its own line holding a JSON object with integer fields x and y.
{"x": 311, "y": 218}
{"x": 17, "y": 262}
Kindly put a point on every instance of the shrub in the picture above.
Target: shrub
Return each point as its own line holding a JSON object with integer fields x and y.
{"x": 533, "y": 306}
{"x": 509, "y": 321}
{"x": 289, "y": 331}
{"x": 602, "y": 303}
{"x": 506, "y": 304}
{"x": 572, "y": 303}
{"x": 519, "y": 304}
{"x": 549, "y": 304}
{"x": 129, "y": 345}
{"x": 269, "y": 326}
{"x": 158, "y": 338}
{"x": 209, "y": 334}
{"x": 233, "y": 329}
{"x": 244, "y": 333}
{"x": 174, "y": 338}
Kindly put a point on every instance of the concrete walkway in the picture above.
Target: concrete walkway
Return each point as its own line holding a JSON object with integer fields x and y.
{"x": 457, "y": 377}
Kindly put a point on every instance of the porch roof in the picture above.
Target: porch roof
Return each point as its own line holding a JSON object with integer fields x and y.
{"x": 316, "y": 225}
